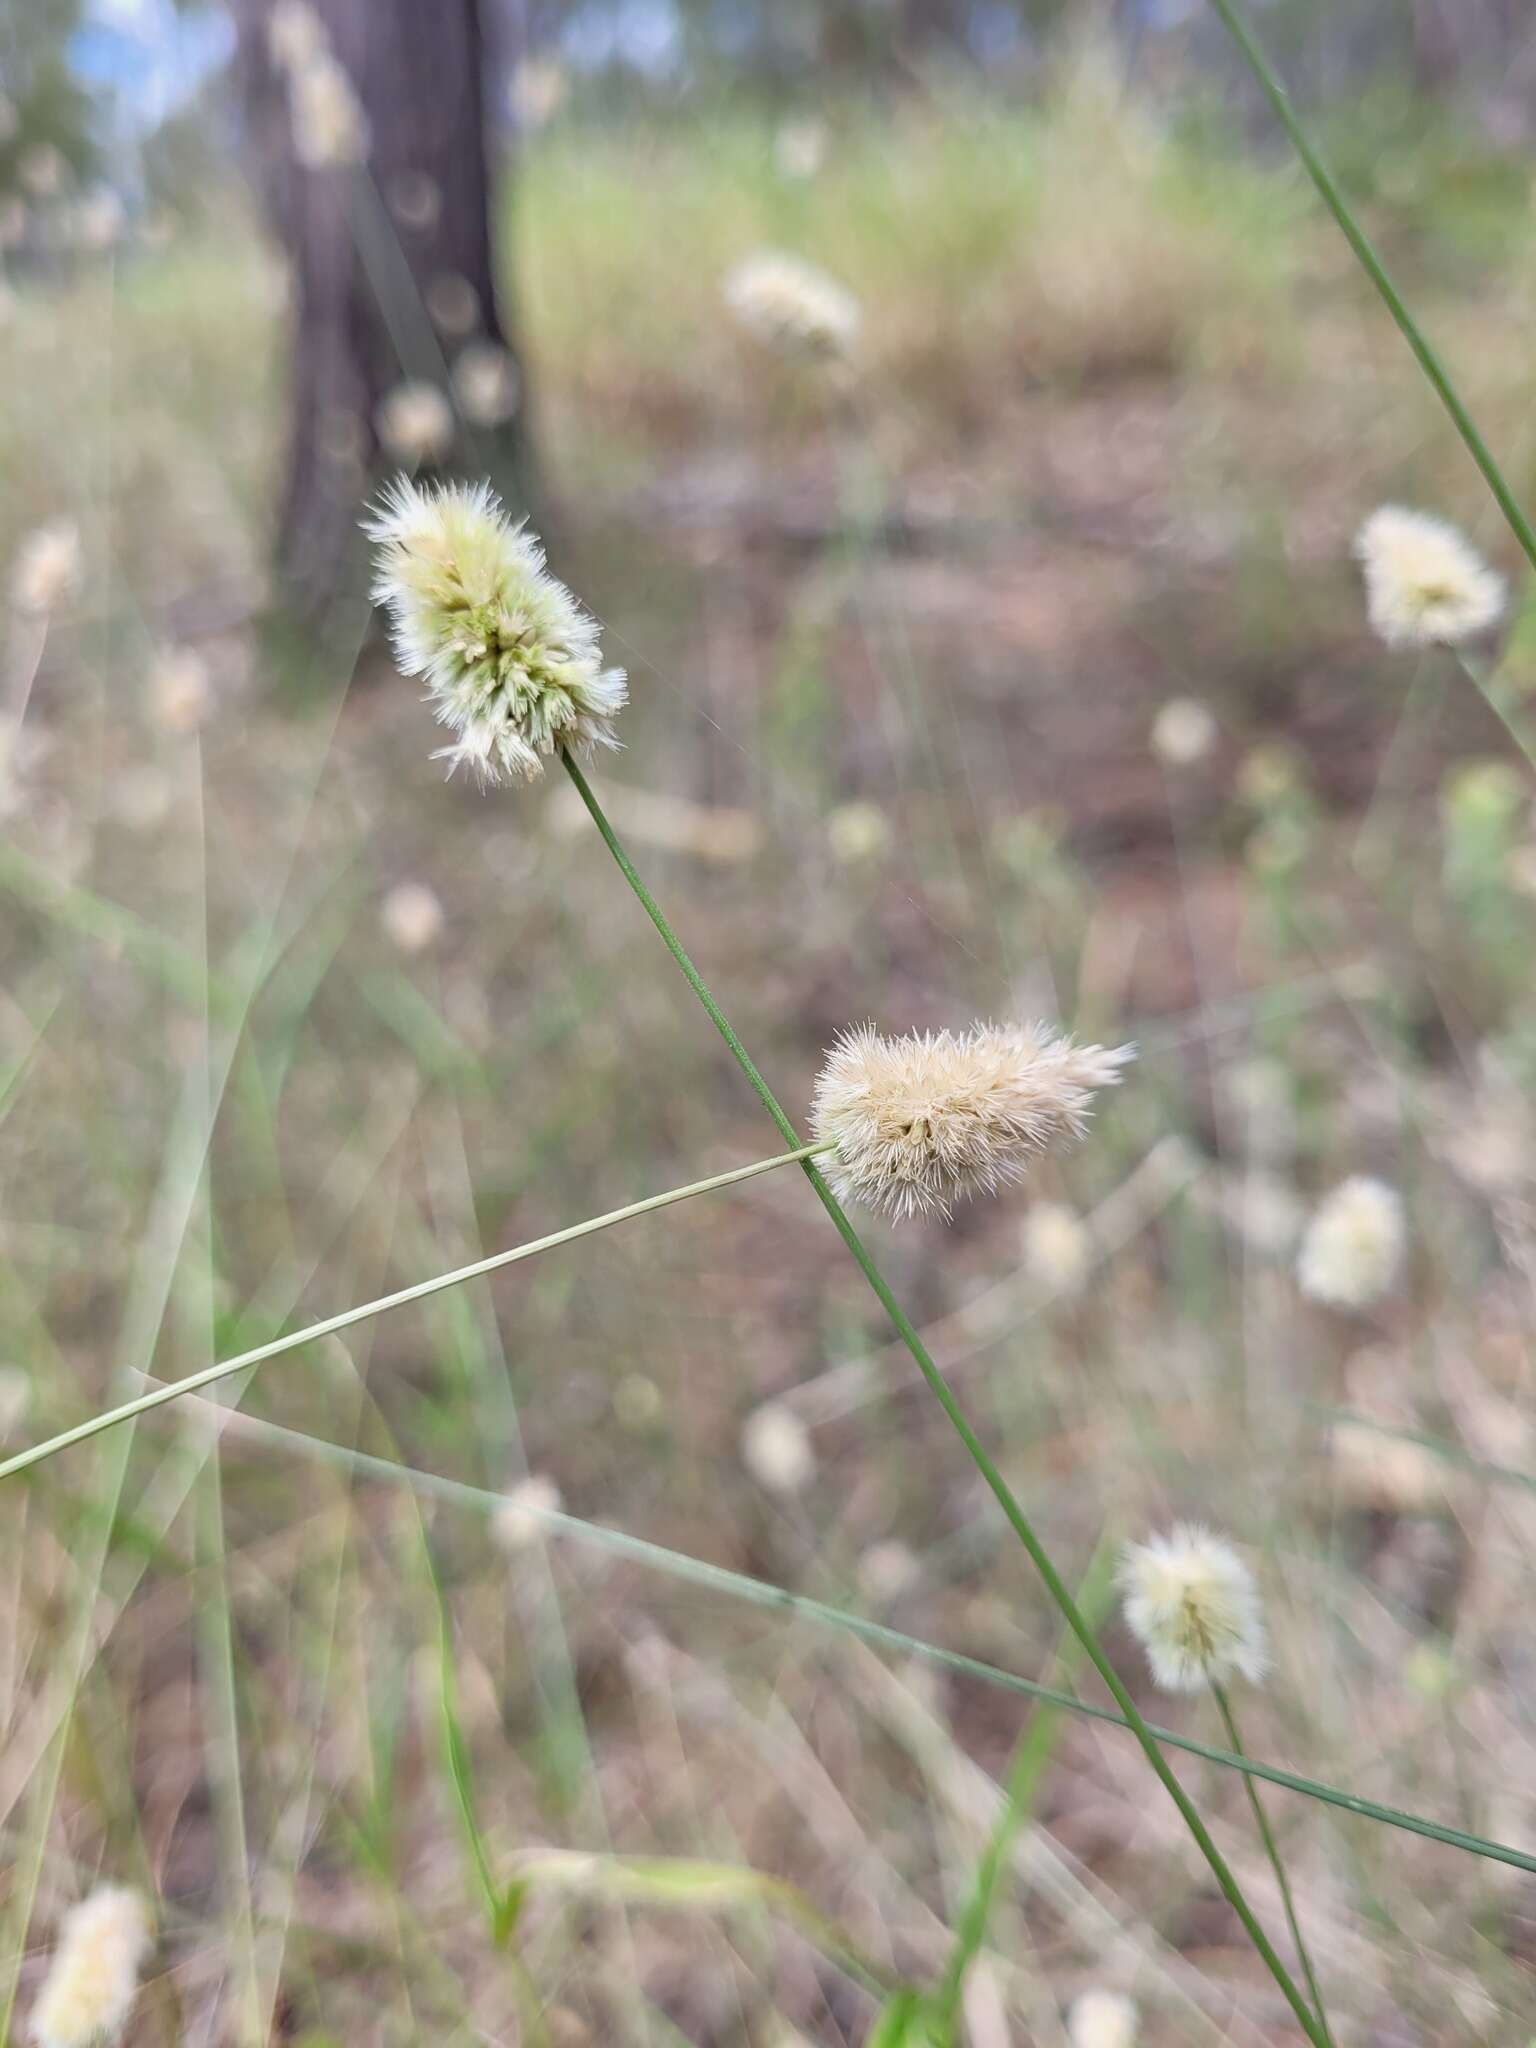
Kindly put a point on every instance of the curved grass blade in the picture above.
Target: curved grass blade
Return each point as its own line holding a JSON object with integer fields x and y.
{"x": 1370, "y": 262}
{"x": 976, "y": 1451}
{"x": 210, "y": 1375}
{"x": 688, "y": 1884}
{"x": 763, "y": 1593}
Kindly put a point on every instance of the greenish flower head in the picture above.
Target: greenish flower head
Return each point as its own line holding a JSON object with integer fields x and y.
{"x": 512, "y": 664}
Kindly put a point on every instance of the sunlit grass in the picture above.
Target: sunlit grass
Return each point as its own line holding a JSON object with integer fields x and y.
{"x": 993, "y": 248}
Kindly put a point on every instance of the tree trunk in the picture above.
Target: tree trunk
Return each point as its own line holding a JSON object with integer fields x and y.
{"x": 390, "y": 259}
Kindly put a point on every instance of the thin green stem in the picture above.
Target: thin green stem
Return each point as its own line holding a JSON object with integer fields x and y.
{"x": 1504, "y": 705}
{"x": 1272, "y": 1851}
{"x": 1428, "y": 361}
{"x": 715, "y": 1578}
{"x": 1018, "y": 1521}
{"x": 216, "y": 1652}
{"x": 194, "y": 1382}
{"x": 691, "y": 974}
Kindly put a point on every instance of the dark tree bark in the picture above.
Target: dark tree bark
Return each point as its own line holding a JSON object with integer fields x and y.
{"x": 384, "y": 255}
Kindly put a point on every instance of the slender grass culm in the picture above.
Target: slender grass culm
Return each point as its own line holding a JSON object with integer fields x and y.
{"x": 1272, "y": 1851}
{"x": 227, "y": 1367}
{"x": 1191, "y": 1603}
{"x": 512, "y": 666}
{"x": 1022, "y": 1527}
{"x": 532, "y": 1508}
{"x": 1440, "y": 380}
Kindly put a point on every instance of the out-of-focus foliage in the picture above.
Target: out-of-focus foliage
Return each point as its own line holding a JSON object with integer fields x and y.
{"x": 784, "y": 43}
{"x": 46, "y": 115}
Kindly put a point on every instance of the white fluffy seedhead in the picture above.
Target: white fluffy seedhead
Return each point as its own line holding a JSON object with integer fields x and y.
{"x": 1191, "y": 1603}
{"x": 921, "y": 1121}
{"x": 1058, "y": 1248}
{"x": 1184, "y": 732}
{"x": 790, "y": 305}
{"x": 91, "y": 1982}
{"x": 47, "y": 570}
{"x": 1353, "y": 1247}
{"x": 415, "y": 422}
{"x": 412, "y": 916}
{"x": 485, "y": 383}
{"x": 521, "y": 1519}
{"x": 776, "y": 1448}
{"x": 1102, "y": 2019}
{"x": 1425, "y": 584}
{"x": 512, "y": 664}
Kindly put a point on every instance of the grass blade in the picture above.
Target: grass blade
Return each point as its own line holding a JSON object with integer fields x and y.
{"x": 1370, "y": 262}
{"x": 1001, "y": 1492}
{"x": 763, "y": 1593}
{"x": 212, "y": 1374}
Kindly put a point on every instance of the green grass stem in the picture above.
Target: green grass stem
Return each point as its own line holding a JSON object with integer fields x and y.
{"x": 212, "y": 1374}
{"x": 1020, "y": 1523}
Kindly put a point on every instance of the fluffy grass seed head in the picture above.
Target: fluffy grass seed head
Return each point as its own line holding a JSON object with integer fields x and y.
{"x": 47, "y": 570}
{"x": 888, "y": 1569}
{"x": 485, "y": 383}
{"x": 920, "y": 1121}
{"x": 1191, "y": 1603}
{"x": 791, "y": 306}
{"x": 1425, "y": 585}
{"x": 1102, "y": 2019}
{"x": 91, "y": 1982}
{"x": 519, "y": 1521}
{"x": 512, "y": 664}
{"x": 858, "y": 832}
{"x": 1353, "y": 1246}
{"x": 1183, "y": 732}
{"x": 776, "y": 1448}
{"x": 414, "y": 422}
{"x": 412, "y": 916}
{"x": 178, "y": 689}
{"x": 1058, "y": 1248}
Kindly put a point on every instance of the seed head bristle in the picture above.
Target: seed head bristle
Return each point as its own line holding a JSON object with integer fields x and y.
{"x": 512, "y": 664}
{"x": 1191, "y": 1603}
{"x": 1425, "y": 584}
{"x": 923, "y": 1120}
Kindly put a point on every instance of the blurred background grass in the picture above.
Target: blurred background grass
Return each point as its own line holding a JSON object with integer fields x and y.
{"x": 897, "y": 646}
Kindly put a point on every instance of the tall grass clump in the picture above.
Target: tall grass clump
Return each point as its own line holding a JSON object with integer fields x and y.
{"x": 513, "y": 666}
{"x": 996, "y": 250}
{"x": 917, "y": 1130}
{"x": 511, "y": 658}
{"x": 903, "y": 1127}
